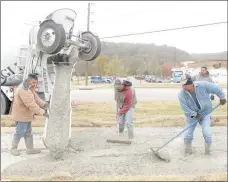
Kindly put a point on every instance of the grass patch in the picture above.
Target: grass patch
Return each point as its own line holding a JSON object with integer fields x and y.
{"x": 147, "y": 113}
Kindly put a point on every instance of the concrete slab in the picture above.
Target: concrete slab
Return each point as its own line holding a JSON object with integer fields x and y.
{"x": 99, "y": 158}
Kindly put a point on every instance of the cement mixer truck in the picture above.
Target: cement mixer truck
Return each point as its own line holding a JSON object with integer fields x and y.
{"x": 6, "y": 90}
{"x": 52, "y": 53}
{"x": 11, "y": 77}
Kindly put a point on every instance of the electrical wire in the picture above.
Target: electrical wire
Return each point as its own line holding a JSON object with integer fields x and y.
{"x": 111, "y": 16}
{"x": 164, "y": 30}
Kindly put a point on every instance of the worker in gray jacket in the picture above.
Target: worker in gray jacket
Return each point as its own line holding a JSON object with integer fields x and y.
{"x": 195, "y": 102}
{"x": 204, "y": 75}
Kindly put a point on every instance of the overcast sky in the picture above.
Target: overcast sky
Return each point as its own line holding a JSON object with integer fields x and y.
{"x": 123, "y": 17}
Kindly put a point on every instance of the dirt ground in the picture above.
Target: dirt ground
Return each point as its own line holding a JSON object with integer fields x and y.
{"x": 92, "y": 158}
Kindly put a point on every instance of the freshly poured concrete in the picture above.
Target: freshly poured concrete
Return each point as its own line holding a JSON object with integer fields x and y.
{"x": 58, "y": 127}
{"x": 93, "y": 156}
{"x": 59, "y": 122}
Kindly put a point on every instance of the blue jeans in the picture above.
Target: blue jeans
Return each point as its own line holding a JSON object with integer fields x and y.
{"x": 206, "y": 129}
{"x": 23, "y": 129}
{"x": 127, "y": 118}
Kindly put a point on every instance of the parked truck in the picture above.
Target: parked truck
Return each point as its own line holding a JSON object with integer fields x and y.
{"x": 11, "y": 77}
{"x": 176, "y": 75}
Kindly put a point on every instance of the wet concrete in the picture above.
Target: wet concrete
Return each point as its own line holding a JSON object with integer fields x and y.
{"x": 93, "y": 156}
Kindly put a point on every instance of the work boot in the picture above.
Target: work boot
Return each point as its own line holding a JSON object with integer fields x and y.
{"x": 207, "y": 149}
{"x": 130, "y": 133}
{"x": 121, "y": 128}
{"x": 29, "y": 145}
{"x": 15, "y": 143}
{"x": 188, "y": 147}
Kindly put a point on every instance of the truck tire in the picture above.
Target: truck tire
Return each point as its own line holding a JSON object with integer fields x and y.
{"x": 94, "y": 49}
{"x": 5, "y": 104}
{"x": 51, "y": 37}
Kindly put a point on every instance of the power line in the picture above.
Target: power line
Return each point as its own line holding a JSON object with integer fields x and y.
{"x": 111, "y": 16}
{"x": 164, "y": 30}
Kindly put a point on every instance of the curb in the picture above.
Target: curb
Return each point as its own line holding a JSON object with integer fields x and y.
{"x": 134, "y": 87}
{"x": 85, "y": 88}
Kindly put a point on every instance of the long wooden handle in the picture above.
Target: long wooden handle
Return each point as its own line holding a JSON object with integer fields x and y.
{"x": 186, "y": 128}
{"x": 118, "y": 141}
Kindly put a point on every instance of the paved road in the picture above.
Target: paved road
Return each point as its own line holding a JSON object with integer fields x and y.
{"x": 143, "y": 94}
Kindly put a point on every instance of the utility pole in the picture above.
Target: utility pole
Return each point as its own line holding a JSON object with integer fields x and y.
{"x": 146, "y": 62}
{"x": 175, "y": 57}
{"x": 147, "y": 66}
{"x": 87, "y": 63}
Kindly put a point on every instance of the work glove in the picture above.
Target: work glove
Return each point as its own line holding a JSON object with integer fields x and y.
{"x": 222, "y": 101}
{"x": 46, "y": 106}
{"x": 212, "y": 97}
{"x": 119, "y": 115}
{"x": 199, "y": 117}
{"x": 46, "y": 114}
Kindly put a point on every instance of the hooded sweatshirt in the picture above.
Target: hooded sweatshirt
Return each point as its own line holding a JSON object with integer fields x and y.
{"x": 201, "y": 77}
{"x": 119, "y": 97}
{"x": 127, "y": 101}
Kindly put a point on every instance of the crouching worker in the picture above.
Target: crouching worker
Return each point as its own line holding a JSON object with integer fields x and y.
{"x": 195, "y": 101}
{"x": 25, "y": 105}
{"x": 126, "y": 100}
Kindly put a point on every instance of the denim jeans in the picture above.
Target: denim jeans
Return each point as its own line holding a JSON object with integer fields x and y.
{"x": 206, "y": 129}
{"x": 23, "y": 129}
{"x": 127, "y": 118}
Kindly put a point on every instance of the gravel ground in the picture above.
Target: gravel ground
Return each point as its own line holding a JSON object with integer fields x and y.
{"x": 93, "y": 156}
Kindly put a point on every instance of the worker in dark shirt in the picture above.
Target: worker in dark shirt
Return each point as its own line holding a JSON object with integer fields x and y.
{"x": 125, "y": 102}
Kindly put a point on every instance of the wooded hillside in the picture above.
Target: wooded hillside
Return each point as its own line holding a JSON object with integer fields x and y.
{"x": 130, "y": 59}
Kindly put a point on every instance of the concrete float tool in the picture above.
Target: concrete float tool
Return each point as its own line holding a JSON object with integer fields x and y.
{"x": 128, "y": 142}
{"x": 165, "y": 156}
{"x": 119, "y": 141}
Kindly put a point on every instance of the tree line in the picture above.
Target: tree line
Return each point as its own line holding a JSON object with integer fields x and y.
{"x": 124, "y": 59}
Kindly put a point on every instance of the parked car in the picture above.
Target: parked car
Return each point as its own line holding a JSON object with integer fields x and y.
{"x": 109, "y": 77}
{"x": 153, "y": 79}
{"x": 162, "y": 80}
{"x": 147, "y": 78}
{"x": 100, "y": 79}
{"x": 158, "y": 80}
{"x": 139, "y": 77}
